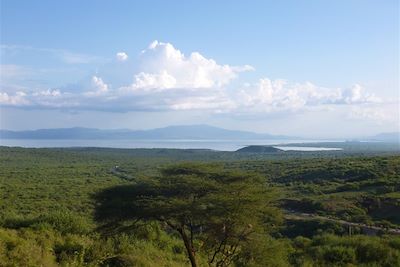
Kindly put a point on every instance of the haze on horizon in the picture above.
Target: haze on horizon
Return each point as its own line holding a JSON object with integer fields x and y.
{"x": 315, "y": 69}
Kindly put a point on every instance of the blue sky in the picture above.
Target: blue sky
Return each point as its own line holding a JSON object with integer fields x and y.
{"x": 284, "y": 67}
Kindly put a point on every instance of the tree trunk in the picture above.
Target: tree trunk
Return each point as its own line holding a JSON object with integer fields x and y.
{"x": 189, "y": 247}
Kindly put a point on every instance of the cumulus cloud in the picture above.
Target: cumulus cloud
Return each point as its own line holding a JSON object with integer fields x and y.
{"x": 48, "y": 92}
{"x": 263, "y": 97}
{"x": 154, "y": 81}
{"x": 18, "y": 99}
{"x": 279, "y": 95}
{"x": 166, "y": 67}
{"x": 357, "y": 94}
{"x": 98, "y": 86}
{"x": 121, "y": 56}
{"x": 167, "y": 79}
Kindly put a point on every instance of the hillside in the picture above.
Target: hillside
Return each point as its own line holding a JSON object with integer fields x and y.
{"x": 259, "y": 149}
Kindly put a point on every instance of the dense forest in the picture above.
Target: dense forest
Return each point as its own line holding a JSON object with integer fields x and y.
{"x": 166, "y": 207}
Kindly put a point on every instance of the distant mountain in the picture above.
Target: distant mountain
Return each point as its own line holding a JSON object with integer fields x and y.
{"x": 386, "y": 137}
{"x": 194, "y": 132}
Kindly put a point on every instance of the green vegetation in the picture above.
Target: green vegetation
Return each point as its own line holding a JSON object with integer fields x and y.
{"x": 213, "y": 211}
{"x": 116, "y": 207}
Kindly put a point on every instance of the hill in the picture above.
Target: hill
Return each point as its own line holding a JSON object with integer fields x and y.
{"x": 259, "y": 149}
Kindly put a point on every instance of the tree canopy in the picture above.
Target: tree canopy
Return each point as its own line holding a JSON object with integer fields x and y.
{"x": 214, "y": 211}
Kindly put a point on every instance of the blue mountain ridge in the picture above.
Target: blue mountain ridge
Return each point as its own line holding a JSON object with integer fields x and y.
{"x": 190, "y": 132}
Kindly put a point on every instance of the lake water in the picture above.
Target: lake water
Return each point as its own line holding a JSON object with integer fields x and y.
{"x": 222, "y": 145}
{"x": 308, "y": 148}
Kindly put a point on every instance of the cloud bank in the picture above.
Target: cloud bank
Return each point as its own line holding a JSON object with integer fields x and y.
{"x": 164, "y": 78}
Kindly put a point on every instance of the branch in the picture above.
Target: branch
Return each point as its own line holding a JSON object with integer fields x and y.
{"x": 219, "y": 248}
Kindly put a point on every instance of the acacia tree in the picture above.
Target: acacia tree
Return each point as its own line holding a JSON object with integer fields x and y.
{"x": 214, "y": 211}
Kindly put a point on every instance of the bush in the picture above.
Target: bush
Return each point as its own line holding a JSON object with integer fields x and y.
{"x": 339, "y": 255}
{"x": 330, "y": 250}
{"x": 264, "y": 251}
{"x": 63, "y": 222}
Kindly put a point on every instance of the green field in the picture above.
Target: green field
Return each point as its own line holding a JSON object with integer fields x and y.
{"x": 48, "y": 205}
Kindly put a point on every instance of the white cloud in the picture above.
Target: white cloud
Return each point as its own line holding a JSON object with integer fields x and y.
{"x": 121, "y": 56}
{"x": 47, "y": 92}
{"x": 97, "y": 87}
{"x": 99, "y": 84}
{"x": 264, "y": 97}
{"x": 157, "y": 81}
{"x": 357, "y": 94}
{"x": 18, "y": 99}
{"x": 166, "y": 67}
{"x": 279, "y": 95}
{"x": 166, "y": 79}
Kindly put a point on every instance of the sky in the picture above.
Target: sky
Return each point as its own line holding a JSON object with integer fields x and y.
{"x": 306, "y": 68}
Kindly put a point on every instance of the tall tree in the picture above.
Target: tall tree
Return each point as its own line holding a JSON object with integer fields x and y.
{"x": 214, "y": 211}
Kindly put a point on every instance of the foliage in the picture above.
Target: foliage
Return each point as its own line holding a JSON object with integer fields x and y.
{"x": 46, "y": 247}
{"x": 212, "y": 210}
{"x": 328, "y": 250}
{"x": 47, "y": 206}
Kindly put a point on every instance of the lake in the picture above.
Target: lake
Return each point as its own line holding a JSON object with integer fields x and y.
{"x": 221, "y": 145}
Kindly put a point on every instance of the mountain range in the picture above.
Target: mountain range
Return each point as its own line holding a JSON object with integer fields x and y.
{"x": 179, "y": 132}
{"x": 190, "y": 132}
{"x": 386, "y": 137}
